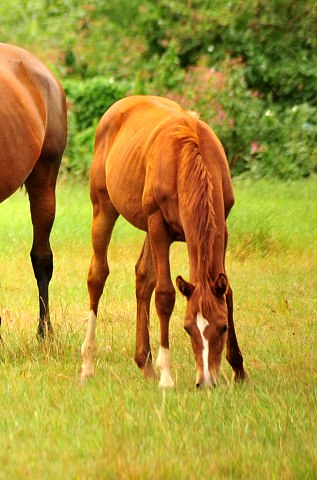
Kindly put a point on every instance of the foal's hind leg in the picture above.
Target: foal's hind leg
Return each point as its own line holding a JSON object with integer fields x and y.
{"x": 145, "y": 283}
{"x": 104, "y": 218}
{"x": 40, "y": 186}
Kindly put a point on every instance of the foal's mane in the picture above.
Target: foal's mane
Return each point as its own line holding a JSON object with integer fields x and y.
{"x": 195, "y": 192}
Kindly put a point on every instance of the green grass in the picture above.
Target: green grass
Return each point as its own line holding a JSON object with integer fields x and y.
{"x": 119, "y": 426}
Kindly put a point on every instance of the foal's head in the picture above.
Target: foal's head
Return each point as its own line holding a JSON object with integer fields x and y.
{"x": 206, "y": 322}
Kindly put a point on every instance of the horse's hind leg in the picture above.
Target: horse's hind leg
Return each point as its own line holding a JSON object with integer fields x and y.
{"x": 40, "y": 186}
{"x": 145, "y": 283}
{"x": 104, "y": 218}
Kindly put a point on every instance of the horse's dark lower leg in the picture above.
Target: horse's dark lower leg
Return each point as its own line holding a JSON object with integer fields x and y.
{"x": 42, "y": 261}
{"x": 41, "y": 190}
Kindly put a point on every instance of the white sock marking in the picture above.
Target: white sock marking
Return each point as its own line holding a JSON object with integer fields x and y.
{"x": 164, "y": 363}
{"x": 89, "y": 348}
{"x": 202, "y": 324}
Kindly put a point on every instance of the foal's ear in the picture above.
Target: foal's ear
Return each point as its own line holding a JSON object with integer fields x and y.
{"x": 184, "y": 287}
{"x": 221, "y": 285}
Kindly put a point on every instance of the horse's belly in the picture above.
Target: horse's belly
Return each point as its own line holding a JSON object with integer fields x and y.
{"x": 125, "y": 184}
{"x": 131, "y": 209}
{"x": 13, "y": 174}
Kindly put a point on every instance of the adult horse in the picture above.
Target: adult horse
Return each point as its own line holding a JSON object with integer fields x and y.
{"x": 33, "y": 135}
{"x": 166, "y": 172}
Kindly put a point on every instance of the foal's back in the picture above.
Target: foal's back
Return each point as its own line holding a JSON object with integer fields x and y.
{"x": 131, "y": 137}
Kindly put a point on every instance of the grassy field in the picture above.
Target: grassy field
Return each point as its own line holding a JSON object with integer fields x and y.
{"x": 118, "y": 426}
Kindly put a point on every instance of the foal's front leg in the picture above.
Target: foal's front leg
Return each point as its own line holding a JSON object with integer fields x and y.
{"x": 234, "y": 355}
{"x": 164, "y": 292}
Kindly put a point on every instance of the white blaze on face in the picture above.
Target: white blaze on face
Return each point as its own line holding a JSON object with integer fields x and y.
{"x": 202, "y": 324}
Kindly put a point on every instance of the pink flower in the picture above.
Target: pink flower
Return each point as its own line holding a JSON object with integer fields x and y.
{"x": 222, "y": 115}
{"x": 256, "y": 148}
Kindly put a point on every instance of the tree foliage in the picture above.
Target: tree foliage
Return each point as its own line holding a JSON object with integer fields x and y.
{"x": 248, "y": 67}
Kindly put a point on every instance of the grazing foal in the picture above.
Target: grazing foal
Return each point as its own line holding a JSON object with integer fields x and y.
{"x": 33, "y": 136}
{"x": 165, "y": 171}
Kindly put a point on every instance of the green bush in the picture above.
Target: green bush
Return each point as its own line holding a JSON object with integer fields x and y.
{"x": 259, "y": 138}
{"x": 89, "y": 99}
{"x": 79, "y": 150}
{"x": 289, "y": 143}
{"x": 87, "y": 102}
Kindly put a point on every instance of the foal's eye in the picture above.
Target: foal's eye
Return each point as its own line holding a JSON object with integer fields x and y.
{"x": 223, "y": 329}
{"x": 187, "y": 331}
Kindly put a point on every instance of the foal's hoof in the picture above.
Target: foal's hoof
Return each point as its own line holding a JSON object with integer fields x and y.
{"x": 241, "y": 376}
{"x": 84, "y": 375}
{"x": 82, "y": 379}
{"x": 149, "y": 372}
{"x": 166, "y": 382}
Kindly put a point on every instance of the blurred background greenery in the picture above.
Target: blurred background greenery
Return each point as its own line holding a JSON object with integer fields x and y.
{"x": 249, "y": 68}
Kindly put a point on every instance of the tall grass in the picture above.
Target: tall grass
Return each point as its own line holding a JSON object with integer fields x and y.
{"x": 119, "y": 426}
